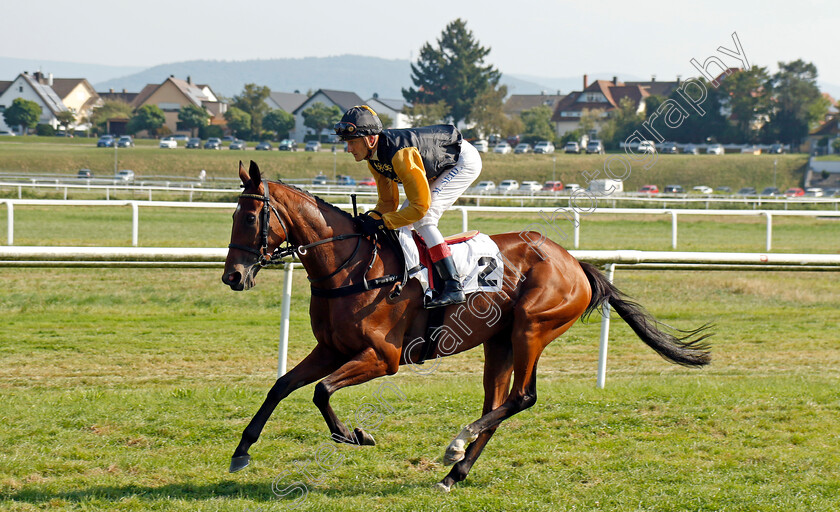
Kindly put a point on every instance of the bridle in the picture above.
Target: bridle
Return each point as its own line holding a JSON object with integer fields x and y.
{"x": 275, "y": 258}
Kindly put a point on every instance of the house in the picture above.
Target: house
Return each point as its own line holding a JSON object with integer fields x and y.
{"x": 518, "y": 103}
{"x": 820, "y": 141}
{"x": 30, "y": 87}
{"x": 173, "y": 94}
{"x": 341, "y": 99}
{"x": 600, "y": 94}
{"x": 79, "y": 97}
{"x": 285, "y": 101}
{"x": 392, "y": 108}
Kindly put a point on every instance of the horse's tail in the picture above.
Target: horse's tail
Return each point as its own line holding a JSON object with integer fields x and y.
{"x": 687, "y": 348}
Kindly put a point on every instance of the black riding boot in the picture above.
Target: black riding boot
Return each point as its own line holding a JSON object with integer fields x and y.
{"x": 453, "y": 292}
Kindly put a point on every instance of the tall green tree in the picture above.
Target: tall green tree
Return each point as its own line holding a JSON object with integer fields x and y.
{"x": 320, "y": 117}
{"x": 537, "y": 123}
{"x": 697, "y": 128}
{"x": 238, "y": 121}
{"x": 623, "y": 121}
{"x": 797, "y": 104}
{"x": 193, "y": 117}
{"x": 489, "y": 115}
{"x": 743, "y": 94}
{"x": 424, "y": 114}
{"x": 147, "y": 117}
{"x": 453, "y": 72}
{"x": 252, "y": 100}
{"x": 280, "y": 122}
{"x": 22, "y": 113}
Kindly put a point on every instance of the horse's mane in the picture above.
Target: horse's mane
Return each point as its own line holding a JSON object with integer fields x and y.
{"x": 318, "y": 200}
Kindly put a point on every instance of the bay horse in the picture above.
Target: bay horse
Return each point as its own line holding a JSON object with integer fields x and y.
{"x": 364, "y": 331}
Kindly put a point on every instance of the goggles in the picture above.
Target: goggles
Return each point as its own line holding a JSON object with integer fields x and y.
{"x": 345, "y": 128}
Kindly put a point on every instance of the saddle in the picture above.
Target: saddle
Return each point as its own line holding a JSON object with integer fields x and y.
{"x": 426, "y": 260}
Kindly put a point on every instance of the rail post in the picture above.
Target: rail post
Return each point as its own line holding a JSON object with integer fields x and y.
{"x": 135, "y": 223}
{"x": 283, "y": 346}
{"x": 769, "y": 243}
{"x": 464, "y": 222}
{"x": 10, "y": 224}
{"x": 605, "y": 333}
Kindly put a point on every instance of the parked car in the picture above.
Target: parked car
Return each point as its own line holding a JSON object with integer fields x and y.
{"x": 228, "y": 138}
{"x": 673, "y": 189}
{"x": 552, "y": 186}
{"x": 530, "y": 186}
{"x": 508, "y": 185}
{"x": 168, "y": 143}
{"x": 238, "y": 145}
{"x": 571, "y": 147}
{"x": 747, "y": 191}
{"x": 180, "y": 137}
{"x": 814, "y": 192}
{"x": 7, "y": 133}
{"x": 484, "y": 186}
{"x": 831, "y": 192}
{"x": 124, "y": 175}
{"x": 125, "y": 142}
{"x": 646, "y": 146}
{"x": 345, "y": 180}
{"x": 714, "y": 149}
{"x": 368, "y": 182}
{"x": 544, "y": 147}
{"x": 287, "y": 145}
{"x": 502, "y": 148}
{"x": 669, "y": 148}
{"x": 595, "y": 146}
{"x": 724, "y": 190}
{"x": 213, "y": 143}
{"x": 264, "y": 146}
{"x": 776, "y": 149}
{"x": 751, "y": 150}
{"x": 481, "y": 145}
{"x": 84, "y": 174}
{"x": 194, "y": 143}
{"x": 771, "y": 191}
{"x": 571, "y": 187}
{"x": 649, "y": 189}
{"x": 690, "y": 149}
{"x": 313, "y": 145}
{"x": 106, "y": 141}
{"x": 522, "y": 147}
{"x": 319, "y": 180}
{"x": 794, "y": 192}
{"x": 703, "y": 189}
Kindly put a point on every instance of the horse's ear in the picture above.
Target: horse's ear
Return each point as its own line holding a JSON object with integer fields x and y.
{"x": 254, "y": 172}
{"x": 243, "y": 174}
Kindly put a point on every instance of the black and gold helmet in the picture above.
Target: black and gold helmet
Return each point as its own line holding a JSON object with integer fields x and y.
{"x": 358, "y": 121}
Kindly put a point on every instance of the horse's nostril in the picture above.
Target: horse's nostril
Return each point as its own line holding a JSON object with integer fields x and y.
{"x": 231, "y": 278}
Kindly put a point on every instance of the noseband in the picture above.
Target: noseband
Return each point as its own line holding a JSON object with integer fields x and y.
{"x": 265, "y": 219}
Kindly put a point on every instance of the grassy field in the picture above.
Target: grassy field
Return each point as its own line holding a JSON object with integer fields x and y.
{"x": 128, "y": 390}
{"x": 56, "y": 155}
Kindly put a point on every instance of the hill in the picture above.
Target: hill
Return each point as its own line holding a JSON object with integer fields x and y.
{"x": 362, "y": 75}
{"x": 12, "y": 67}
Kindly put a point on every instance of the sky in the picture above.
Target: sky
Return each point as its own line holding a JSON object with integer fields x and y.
{"x": 546, "y": 39}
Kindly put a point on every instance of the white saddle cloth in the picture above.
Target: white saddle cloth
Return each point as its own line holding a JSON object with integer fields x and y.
{"x": 477, "y": 261}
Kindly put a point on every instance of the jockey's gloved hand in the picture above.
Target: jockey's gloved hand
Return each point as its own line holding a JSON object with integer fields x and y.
{"x": 369, "y": 225}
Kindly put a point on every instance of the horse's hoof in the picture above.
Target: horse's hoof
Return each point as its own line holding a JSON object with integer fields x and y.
{"x": 452, "y": 456}
{"x": 442, "y": 487}
{"x": 241, "y": 462}
{"x": 363, "y": 438}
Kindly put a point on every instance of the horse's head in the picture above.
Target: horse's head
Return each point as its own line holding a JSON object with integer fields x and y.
{"x": 251, "y": 239}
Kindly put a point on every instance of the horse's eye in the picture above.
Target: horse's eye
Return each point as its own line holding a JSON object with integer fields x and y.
{"x": 250, "y": 218}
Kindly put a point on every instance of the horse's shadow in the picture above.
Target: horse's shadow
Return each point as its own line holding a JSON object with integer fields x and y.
{"x": 259, "y": 492}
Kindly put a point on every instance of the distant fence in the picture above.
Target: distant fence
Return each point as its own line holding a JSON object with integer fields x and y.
{"x": 132, "y": 257}
{"x": 573, "y": 216}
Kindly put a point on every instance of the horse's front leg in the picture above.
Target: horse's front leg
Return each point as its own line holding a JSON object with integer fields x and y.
{"x": 319, "y": 363}
{"x": 366, "y": 365}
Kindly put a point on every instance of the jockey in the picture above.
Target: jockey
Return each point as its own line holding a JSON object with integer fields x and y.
{"x": 435, "y": 166}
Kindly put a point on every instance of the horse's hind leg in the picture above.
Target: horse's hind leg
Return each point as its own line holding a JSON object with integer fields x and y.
{"x": 498, "y": 366}
{"x": 320, "y": 362}
{"x": 366, "y": 365}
